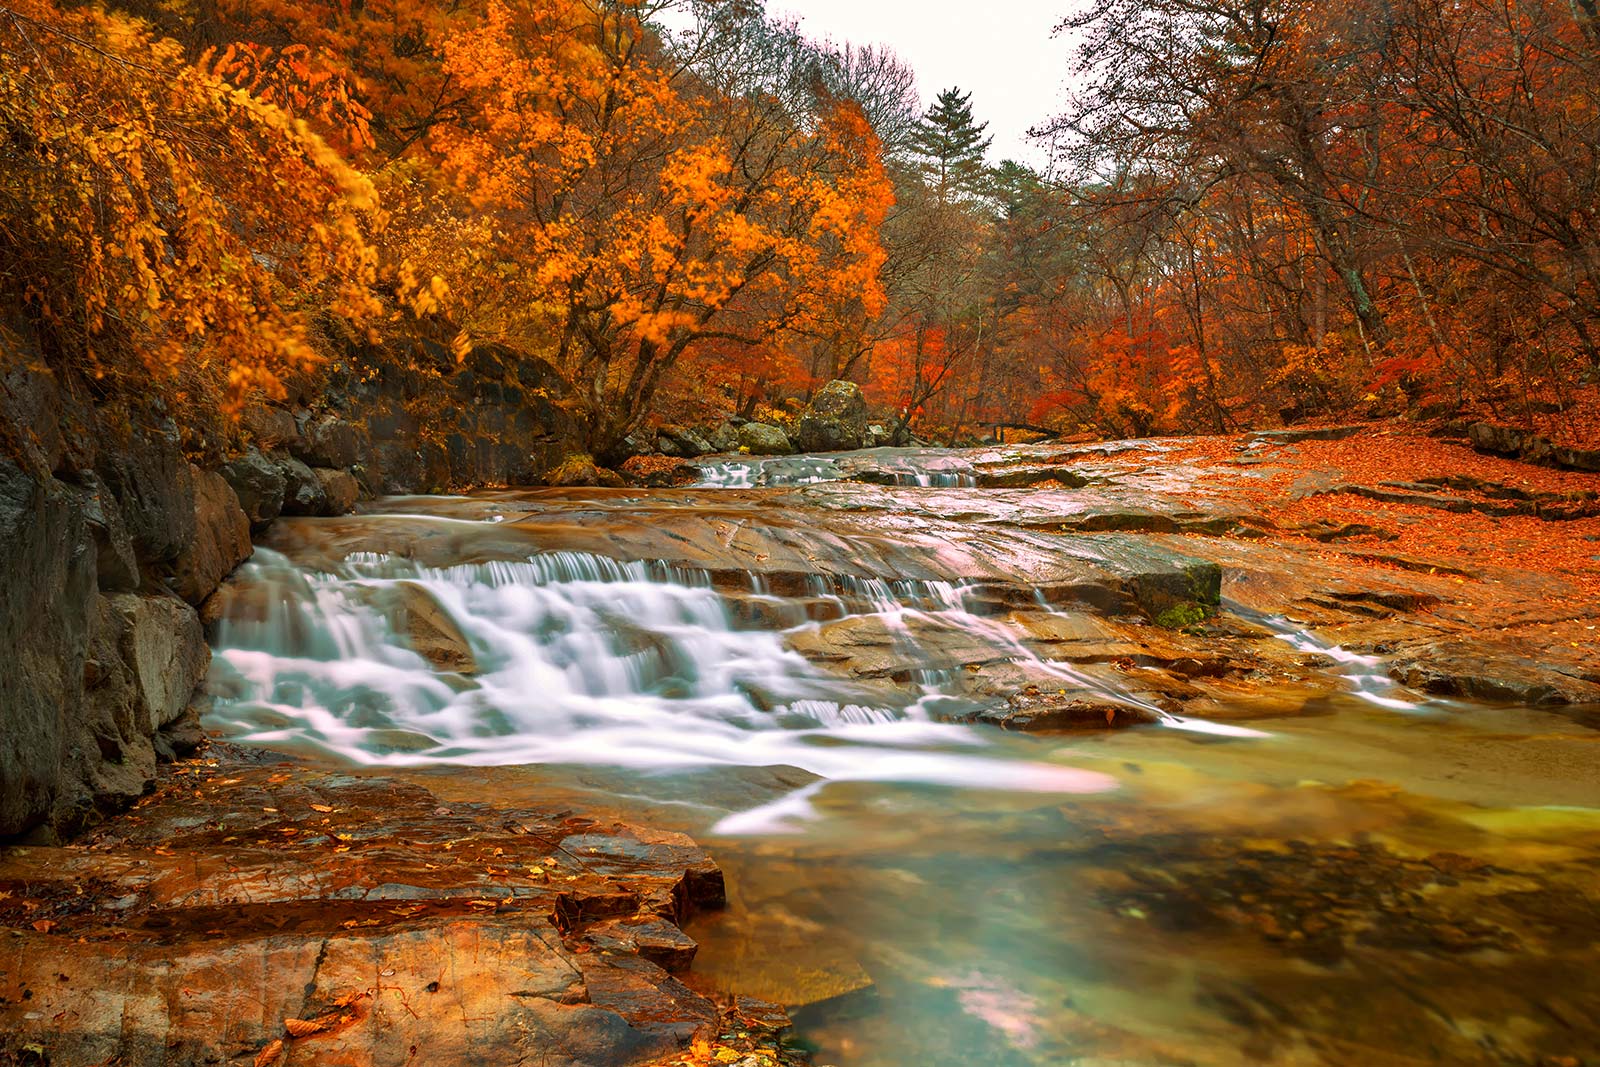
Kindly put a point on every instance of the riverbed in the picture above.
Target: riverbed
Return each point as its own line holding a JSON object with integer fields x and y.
{"x": 1010, "y": 756}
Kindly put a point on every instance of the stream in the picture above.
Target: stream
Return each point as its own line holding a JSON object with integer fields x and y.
{"x": 800, "y": 662}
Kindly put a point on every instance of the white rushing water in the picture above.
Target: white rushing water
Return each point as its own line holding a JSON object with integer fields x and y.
{"x": 582, "y": 659}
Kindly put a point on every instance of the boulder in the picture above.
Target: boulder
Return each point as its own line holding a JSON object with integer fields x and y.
{"x": 432, "y": 633}
{"x": 270, "y": 428}
{"x": 258, "y": 483}
{"x": 579, "y": 469}
{"x": 303, "y": 493}
{"x": 162, "y": 643}
{"x": 722, "y": 437}
{"x": 835, "y": 421}
{"x": 221, "y": 539}
{"x": 341, "y": 489}
{"x": 764, "y": 439}
{"x": 332, "y": 442}
{"x": 685, "y": 441}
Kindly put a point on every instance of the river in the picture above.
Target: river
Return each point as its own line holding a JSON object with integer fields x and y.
{"x": 1279, "y": 857}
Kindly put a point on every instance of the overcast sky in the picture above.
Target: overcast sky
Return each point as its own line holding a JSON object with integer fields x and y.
{"x": 1001, "y": 51}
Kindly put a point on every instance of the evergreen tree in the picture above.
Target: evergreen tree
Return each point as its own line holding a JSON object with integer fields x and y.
{"x": 949, "y": 147}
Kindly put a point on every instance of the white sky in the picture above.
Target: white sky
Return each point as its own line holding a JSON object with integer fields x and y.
{"x": 1001, "y": 51}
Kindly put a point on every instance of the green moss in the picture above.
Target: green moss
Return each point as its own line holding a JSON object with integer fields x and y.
{"x": 1183, "y": 616}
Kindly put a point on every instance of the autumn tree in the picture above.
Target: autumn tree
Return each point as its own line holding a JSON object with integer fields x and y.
{"x": 639, "y": 208}
{"x": 163, "y": 227}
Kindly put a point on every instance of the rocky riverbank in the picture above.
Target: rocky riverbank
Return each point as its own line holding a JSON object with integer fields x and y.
{"x": 117, "y": 524}
{"x": 256, "y": 911}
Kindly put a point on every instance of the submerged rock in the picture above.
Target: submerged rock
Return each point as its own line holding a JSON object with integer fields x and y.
{"x": 432, "y": 633}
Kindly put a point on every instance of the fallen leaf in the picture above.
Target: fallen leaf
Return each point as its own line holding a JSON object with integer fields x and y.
{"x": 321, "y": 807}
{"x": 269, "y": 1054}
{"x": 307, "y": 1027}
{"x": 44, "y": 926}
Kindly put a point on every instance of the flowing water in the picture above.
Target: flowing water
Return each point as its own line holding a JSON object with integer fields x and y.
{"x": 1362, "y": 878}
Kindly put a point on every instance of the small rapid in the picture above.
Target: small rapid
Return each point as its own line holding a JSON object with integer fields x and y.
{"x": 579, "y": 659}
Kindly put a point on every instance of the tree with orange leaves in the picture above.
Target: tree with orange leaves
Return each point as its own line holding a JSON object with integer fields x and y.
{"x": 632, "y": 208}
{"x": 165, "y": 230}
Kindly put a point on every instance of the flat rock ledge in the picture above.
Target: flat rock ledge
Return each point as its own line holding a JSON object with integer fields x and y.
{"x": 260, "y": 912}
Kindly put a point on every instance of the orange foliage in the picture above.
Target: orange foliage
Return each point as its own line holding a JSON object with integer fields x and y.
{"x": 629, "y": 214}
{"x": 162, "y": 225}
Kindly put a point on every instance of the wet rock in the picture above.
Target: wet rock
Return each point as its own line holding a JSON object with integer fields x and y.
{"x": 259, "y": 483}
{"x": 1502, "y": 669}
{"x": 648, "y": 937}
{"x": 1037, "y": 710}
{"x": 221, "y": 541}
{"x": 835, "y": 420}
{"x": 257, "y": 911}
{"x": 432, "y": 633}
{"x": 340, "y": 488}
{"x": 303, "y": 493}
{"x": 764, "y": 439}
{"x": 657, "y": 472}
{"x": 1018, "y": 477}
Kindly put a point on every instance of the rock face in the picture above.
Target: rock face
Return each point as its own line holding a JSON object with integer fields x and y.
{"x": 97, "y": 671}
{"x": 836, "y": 420}
{"x": 763, "y": 439}
{"x": 47, "y": 568}
{"x": 492, "y": 419}
{"x": 545, "y": 939}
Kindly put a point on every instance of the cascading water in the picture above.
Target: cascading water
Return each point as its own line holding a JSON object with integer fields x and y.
{"x": 577, "y": 659}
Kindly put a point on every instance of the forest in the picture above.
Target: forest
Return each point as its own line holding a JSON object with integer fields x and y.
{"x": 1258, "y": 210}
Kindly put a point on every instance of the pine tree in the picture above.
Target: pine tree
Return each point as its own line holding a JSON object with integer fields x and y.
{"x": 950, "y": 147}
